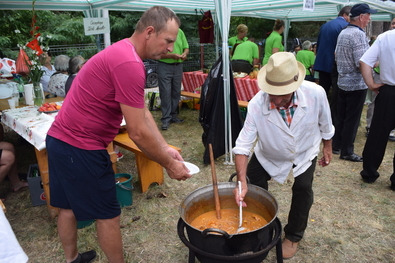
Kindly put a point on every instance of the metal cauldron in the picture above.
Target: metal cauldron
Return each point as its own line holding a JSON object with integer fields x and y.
{"x": 218, "y": 242}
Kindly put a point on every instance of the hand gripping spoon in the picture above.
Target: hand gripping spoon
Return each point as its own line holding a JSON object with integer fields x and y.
{"x": 240, "y": 211}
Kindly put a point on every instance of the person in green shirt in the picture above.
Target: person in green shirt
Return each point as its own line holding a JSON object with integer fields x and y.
{"x": 273, "y": 43}
{"x": 307, "y": 58}
{"x": 245, "y": 56}
{"x": 169, "y": 80}
{"x": 241, "y": 37}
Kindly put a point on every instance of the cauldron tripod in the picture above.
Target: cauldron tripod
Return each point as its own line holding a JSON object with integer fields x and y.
{"x": 257, "y": 257}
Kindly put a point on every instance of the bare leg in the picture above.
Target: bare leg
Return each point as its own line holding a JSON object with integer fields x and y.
{"x": 67, "y": 228}
{"x": 14, "y": 178}
{"x": 6, "y": 162}
{"x": 8, "y": 166}
{"x": 110, "y": 240}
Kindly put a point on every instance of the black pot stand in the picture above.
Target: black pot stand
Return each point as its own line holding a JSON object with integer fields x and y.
{"x": 250, "y": 257}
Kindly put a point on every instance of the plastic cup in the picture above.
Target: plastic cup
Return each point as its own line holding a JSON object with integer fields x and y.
{"x": 16, "y": 98}
{"x": 29, "y": 94}
{"x": 11, "y": 103}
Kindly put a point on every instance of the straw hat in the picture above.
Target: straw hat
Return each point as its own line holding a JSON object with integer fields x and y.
{"x": 281, "y": 75}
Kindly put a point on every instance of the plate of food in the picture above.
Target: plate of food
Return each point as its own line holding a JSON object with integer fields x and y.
{"x": 193, "y": 169}
{"x": 49, "y": 107}
{"x": 239, "y": 74}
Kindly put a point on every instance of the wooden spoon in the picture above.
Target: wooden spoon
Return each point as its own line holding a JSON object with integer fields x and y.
{"x": 215, "y": 185}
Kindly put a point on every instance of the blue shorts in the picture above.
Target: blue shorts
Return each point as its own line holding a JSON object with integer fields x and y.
{"x": 81, "y": 180}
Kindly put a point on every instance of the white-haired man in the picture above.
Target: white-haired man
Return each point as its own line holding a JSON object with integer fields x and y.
{"x": 351, "y": 44}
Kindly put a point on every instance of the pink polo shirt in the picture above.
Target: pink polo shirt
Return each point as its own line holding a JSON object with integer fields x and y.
{"x": 91, "y": 115}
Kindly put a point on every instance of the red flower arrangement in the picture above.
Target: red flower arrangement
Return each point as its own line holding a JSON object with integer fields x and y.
{"x": 30, "y": 52}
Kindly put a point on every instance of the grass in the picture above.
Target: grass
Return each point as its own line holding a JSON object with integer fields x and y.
{"x": 350, "y": 221}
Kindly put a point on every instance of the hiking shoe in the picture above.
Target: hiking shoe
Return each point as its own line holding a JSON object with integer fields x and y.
{"x": 119, "y": 156}
{"x": 85, "y": 257}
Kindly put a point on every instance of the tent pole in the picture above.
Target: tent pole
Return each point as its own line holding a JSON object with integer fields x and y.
{"x": 107, "y": 38}
{"x": 201, "y": 56}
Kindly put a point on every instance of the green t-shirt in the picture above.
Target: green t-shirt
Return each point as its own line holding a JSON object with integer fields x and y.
{"x": 179, "y": 46}
{"x": 246, "y": 51}
{"x": 273, "y": 41}
{"x": 307, "y": 58}
{"x": 235, "y": 40}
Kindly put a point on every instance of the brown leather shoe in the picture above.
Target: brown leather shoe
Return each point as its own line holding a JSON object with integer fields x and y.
{"x": 289, "y": 248}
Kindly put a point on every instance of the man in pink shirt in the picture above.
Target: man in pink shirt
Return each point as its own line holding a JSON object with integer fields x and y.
{"x": 109, "y": 86}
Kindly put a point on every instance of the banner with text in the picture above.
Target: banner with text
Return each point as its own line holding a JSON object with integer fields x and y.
{"x": 93, "y": 26}
{"x": 308, "y": 5}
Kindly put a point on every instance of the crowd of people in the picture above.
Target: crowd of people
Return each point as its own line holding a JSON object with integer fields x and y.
{"x": 290, "y": 105}
{"x": 342, "y": 63}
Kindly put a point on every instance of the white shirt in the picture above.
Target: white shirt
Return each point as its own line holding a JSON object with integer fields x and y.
{"x": 279, "y": 147}
{"x": 383, "y": 50}
{"x": 10, "y": 250}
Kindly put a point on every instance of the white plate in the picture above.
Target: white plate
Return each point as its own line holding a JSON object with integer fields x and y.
{"x": 193, "y": 169}
{"x": 6, "y": 75}
{"x": 5, "y": 91}
{"x": 239, "y": 75}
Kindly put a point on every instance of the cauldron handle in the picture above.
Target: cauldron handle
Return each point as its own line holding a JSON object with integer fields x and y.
{"x": 234, "y": 174}
{"x": 207, "y": 231}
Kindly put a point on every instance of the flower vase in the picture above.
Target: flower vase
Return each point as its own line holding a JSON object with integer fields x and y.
{"x": 38, "y": 94}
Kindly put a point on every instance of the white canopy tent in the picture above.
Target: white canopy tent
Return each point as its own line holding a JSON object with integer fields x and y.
{"x": 270, "y": 9}
{"x": 288, "y": 10}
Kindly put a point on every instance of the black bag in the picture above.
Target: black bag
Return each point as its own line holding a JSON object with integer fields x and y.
{"x": 212, "y": 112}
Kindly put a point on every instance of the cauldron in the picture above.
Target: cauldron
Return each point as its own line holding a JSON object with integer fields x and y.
{"x": 216, "y": 242}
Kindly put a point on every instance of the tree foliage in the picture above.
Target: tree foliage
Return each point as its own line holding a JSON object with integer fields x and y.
{"x": 66, "y": 28}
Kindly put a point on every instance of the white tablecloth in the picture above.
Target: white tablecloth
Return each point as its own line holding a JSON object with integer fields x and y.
{"x": 30, "y": 124}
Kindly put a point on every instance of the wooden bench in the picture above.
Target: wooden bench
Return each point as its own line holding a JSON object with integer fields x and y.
{"x": 184, "y": 93}
{"x": 148, "y": 171}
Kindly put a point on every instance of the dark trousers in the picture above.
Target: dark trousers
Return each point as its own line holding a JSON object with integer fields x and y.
{"x": 169, "y": 82}
{"x": 328, "y": 80}
{"x": 349, "y": 109}
{"x": 382, "y": 123}
{"x": 309, "y": 78}
{"x": 239, "y": 65}
{"x": 302, "y": 196}
{"x": 325, "y": 81}
{"x": 334, "y": 94}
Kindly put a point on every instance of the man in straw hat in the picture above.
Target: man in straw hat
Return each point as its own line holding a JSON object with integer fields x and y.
{"x": 286, "y": 122}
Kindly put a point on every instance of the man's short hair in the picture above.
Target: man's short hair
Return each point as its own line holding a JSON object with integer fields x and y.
{"x": 242, "y": 28}
{"x": 157, "y": 17}
{"x": 345, "y": 10}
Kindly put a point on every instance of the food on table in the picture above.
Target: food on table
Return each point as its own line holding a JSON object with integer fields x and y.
{"x": 254, "y": 72}
{"x": 49, "y": 106}
{"x": 239, "y": 74}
